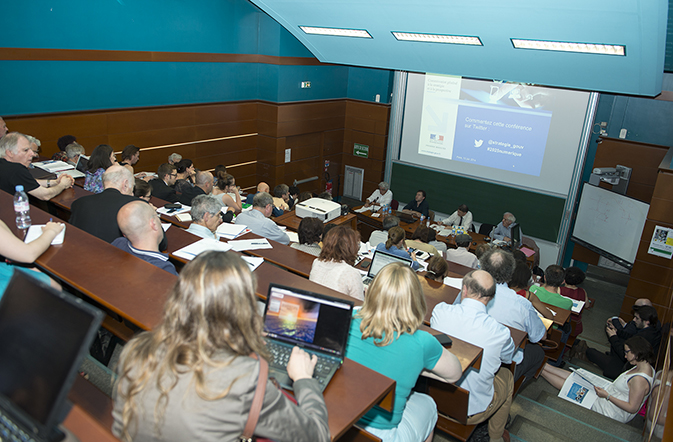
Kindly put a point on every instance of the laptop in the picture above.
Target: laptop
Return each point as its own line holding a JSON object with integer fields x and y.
{"x": 44, "y": 335}
{"x": 381, "y": 259}
{"x": 405, "y": 217}
{"x": 82, "y": 163}
{"x": 316, "y": 323}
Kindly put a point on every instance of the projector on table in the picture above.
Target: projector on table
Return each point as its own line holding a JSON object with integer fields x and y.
{"x": 319, "y": 208}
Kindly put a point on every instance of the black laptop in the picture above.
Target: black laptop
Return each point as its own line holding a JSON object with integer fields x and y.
{"x": 44, "y": 336}
{"x": 381, "y": 259}
{"x": 317, "y": 323}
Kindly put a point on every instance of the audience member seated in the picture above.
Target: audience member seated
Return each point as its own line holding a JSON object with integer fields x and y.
{"x": 310, "y": 235}
{"x": 419, "y": 206}
{"x": 515, "y": 311}
{"x": 3, "y": 128}
{"x": 481, "y": 249}
{"x": 142, "y": 190}
{"x": 615, "y": 362}
{"x": 503, "y": 231}
{"x": 491, "y": 386}
{"x": 521, "y": 281}
{"x": 174, "y": 158}
{"x": 395, "y": 244}
{"x": 101, "y": 159}
{"x": 326, "y": 196}
{"x": 304, "y": 196}
{"x": 334, "y": 266}
{"x": 263, "y": 187}
{"x": 385, "y": 337}
{"x": 628, "y": 329}
{"x": 73, "y": 151}
{"x": 162, "y": 186}
{"x": 13, "y": 248}
{"x": 205, "y": 217}
{"x": 549, "y": 292}
{"x": 186, "y": 172}
{"x": 281, "y": 196}
{"x": 438, "y": 269}
{"x": 257, "y": 219}
{"x": 193, "y": 377}
{"x": 624, "y": 398}
{"x": 35, "y": 147}
{"x": 419, "y": 241}
{"x": 142, "y": 234}
{"x": 380, "y": 236}
{"x": 227, "y": 192}
{"x": 62, "y": 143}
{"x": 460, "y": 218}
{"x": 574, "y": 276}
{"x": 204, "y": 186}
{"x": 461, "y": 254}
{"x": 130, "y": 156}
{"x": 432, "y": 240}
{"x": 15, "y": 158}
{"x": 382, "y": 196}
{"x": 294, "y": 196}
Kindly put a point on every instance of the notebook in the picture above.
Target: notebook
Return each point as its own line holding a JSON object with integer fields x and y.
{"x": 44, "y": 335}
{"x": 380, "y": 260}
{"x": 316, "y": 323}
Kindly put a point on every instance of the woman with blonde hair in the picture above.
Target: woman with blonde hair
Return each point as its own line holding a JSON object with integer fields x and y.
{"x": 385, "y": 337}
{"x": 226, "y": 191}
{"x": 193, "y": 377}
{"x": 334, "y": 266}
{"x": 397, "y": 246}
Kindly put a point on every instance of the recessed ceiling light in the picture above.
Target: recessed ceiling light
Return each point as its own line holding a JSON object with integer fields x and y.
{"x": 586, "y": 48}
{"x": 337, "y": 32}
{"x": 437, "y": 38}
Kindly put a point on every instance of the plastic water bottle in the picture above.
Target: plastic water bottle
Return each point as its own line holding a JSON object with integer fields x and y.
{"x": 21, "y": 208}
{"x": 422, "y": 219}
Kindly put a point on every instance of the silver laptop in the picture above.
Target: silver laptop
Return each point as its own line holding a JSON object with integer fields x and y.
{"x": 317, "y": 323}
{"x": 44, "y": 335}
{"x": 380, "y": 260}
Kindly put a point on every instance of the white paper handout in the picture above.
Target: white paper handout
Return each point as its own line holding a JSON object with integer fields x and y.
{"x": 253, "y": 262}
{"x": 294, "y": 236}
{"x": 193, "y": 250}
{"x": 579, "y": 388}
{"x": 36, "y": 230}
{"x": 165, "y": 211}
{"x": 241, "y": 245}
{"x": 230, "y": 231}
{"x": 456, "y": 283}
{"x": 577, "y": 305}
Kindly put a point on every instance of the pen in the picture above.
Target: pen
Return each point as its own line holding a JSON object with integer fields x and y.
{"x": 51, "y": 219}
{"x": 258, "y": 243}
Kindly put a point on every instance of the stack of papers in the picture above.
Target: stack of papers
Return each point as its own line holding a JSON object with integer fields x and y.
{"x": 231, "y": 231}
{"x": 170, "y": 212}
{"x": 250, "y": 244}
{"x": 193, "y": 250}
{"x": 35, "y": 231}
{"x": 59, "y": 167}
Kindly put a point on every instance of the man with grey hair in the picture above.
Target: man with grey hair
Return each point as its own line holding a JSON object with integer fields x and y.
{"x": 379, "y": 236}
{"x": 461, "y": 254}
{"x": 281, "y": 197}
{"x": 16, "y": 155}
{"x": 204, "y": 186}
{"x": 142, "y": 234}
{"x": 174, "y": 158}
{"x": 73, "y": 151}
{"x": 382, "y": 196}
{"x": 503, "y": 231}
{"x": 205, "y": 216}
{"x": 34, "y": 146}
{"x": 258, "y": 220}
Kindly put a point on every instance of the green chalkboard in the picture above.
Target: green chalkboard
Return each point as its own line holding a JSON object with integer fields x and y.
{"x": 540, "y": 215}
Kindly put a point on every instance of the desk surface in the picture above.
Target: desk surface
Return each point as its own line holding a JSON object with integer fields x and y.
{"x": 284, "y": 256}
{"x": 291, "y": 220}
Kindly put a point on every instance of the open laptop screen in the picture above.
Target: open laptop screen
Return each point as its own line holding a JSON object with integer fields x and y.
{"x": 306, "y": 319}
{"x": 382, "y": 259}
{"x": 44, "y": 335}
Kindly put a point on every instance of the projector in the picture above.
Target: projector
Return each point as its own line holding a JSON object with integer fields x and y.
{"x": 318, "y": 208}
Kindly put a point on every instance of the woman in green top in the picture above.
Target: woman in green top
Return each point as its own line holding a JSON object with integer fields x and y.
{"x": 384, "y": 336}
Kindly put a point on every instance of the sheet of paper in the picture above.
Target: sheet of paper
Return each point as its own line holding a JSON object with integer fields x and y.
{"x": 230, "y": 231}
{"x": 253, "y": 262}
{"x": 165, "y": 211}
{"x": 577, "y": 305}
{"x": 528, "y": 252}
{"x": 456, "y": 283}
{"x": 193, "y": 250}
{"x": 579, "y": 388}
{"x": 294, "y": 236}
{"x": 241, "y": 245}
{"x": 36, "y": 230}
{"x": 165, "y": 226}
{"x": 74, "y": 173}
{"x": 54, "y": 166}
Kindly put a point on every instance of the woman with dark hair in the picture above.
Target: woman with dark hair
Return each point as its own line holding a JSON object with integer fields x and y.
{"x": 385, "y": 337}
{"x": 438, "y": 268}
{"x": 396, "y": 246}
{"x": 310, "y": 233}
{"x": 101, "y": 158}
{"x": 520, "y": 283}
{"x": 575, "y": 276}
{"x": 193, "y": 377}
{"x": 419, "y": 240}
{"x": 226, "y": 191}
{"x": 185, "y": 179}
{"x": 142, "y": 190}
{"x": 623, "y": 399}
{"x": 334, "y": 266}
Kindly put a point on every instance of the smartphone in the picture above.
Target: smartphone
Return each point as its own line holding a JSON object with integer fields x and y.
{"x": 444, "y": 339}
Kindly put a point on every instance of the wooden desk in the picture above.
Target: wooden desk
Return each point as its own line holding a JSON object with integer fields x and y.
{"x": 291, "y": 220}
{"x": 168, "y": 218}
{"x": 284, "y": 256}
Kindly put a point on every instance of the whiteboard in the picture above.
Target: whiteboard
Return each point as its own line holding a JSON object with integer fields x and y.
{"x": 610, "y": 223}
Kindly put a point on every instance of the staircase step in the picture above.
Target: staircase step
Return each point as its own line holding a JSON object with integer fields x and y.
{"x": 530, "y": 431}
{"x": 551, "y": 423}
{"x": 597, "y": 420}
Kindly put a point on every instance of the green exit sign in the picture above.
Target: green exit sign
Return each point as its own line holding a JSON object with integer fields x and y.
{"x": 361, "y": 150}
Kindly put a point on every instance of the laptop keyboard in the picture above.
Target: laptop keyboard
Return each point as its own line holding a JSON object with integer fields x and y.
{"x": 10, "y": 432}
{"x": 281, "y": 355}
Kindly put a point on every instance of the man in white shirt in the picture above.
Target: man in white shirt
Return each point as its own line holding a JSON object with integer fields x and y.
{"x": 461, "y": 254}
{"x": 491, "y": 386}
{"x": 382, "y": 196}
{"x": 205, "y": 216}
{"x": 258, "y": 220}
{"x": 460, "y": 218}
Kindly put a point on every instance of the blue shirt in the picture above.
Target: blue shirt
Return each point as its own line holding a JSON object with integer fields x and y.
{"x": 155, "y": 258}
{"x": 262, "y": 226}
{"x": 399, "y": 252}
{"x": 470, "y": 322}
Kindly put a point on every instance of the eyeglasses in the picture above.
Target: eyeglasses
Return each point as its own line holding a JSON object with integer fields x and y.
{"x": 627, "y": 350}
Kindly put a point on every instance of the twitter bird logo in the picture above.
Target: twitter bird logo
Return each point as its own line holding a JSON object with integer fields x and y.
{"x": 478, "y": 143}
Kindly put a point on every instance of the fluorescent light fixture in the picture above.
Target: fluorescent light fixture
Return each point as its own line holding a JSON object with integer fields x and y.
{"x": 337, "y": 32}
{"x": 437, "y": 38}
{"x": 586, "y": 48}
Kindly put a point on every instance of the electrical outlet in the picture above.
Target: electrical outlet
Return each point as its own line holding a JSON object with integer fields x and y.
{"x": 287, "y": 155}
{"x": 622, "y": 133}
{"x": 305, "y": 84}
